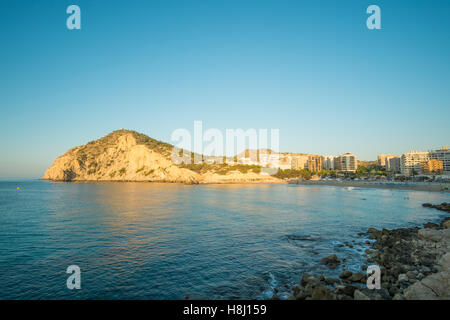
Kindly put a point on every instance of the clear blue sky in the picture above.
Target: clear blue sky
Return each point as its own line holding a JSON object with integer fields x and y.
{"x": 310, "y": 68}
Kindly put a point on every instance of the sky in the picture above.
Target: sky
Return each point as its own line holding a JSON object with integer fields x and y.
{"x": 311, "y": 69}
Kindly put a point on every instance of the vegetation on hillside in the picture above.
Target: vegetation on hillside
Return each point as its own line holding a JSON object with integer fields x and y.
{"x": 292, "y": 173}
{"x": 153, "y": 144}
{"x": 94, "y": 148}
{"x": 221, "y": 168}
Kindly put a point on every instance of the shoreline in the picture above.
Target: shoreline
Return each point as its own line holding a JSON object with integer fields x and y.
{"x": 414, "y": 264}
{"x": 168, "y": 182}
{"x": 413, "y": 186}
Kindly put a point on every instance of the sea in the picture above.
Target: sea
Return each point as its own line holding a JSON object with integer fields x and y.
{"x": 174, "y": 241}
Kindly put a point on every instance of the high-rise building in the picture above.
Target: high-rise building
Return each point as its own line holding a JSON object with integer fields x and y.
{"x": 393, "y": 164}
{"x": 328, "y": 162}
{"x": 444, "y": 156}
{"x": 314, "y": 163}
{"x": 382, "y": 159}
{"x": 346, "y": 162}
{"x": 410, "y": 162}
{"x": 299, "y": 161}
{"x": 285, "y": 161}
{"x": 269, "y": 160}
{"x": 432, "y": 166}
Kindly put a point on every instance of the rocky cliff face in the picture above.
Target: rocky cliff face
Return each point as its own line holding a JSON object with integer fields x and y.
{"x": 120, "y": 156}
{"x": 125, "y": 155}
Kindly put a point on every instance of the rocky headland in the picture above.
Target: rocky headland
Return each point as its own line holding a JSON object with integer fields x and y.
{"x": 414, "y": 264}
{"x": 126, "y": 155}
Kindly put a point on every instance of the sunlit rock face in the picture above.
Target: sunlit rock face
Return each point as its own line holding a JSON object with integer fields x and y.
{"x": 125, "y": 155}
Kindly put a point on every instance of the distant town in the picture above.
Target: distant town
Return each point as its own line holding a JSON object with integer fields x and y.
{"x": 409, "y": 164}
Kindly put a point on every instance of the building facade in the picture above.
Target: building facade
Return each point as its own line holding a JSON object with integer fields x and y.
{"x": 444, "y": 156}
{"x": 346, "y": 162}
{"x": 432, "y": 166}
{"x": 299, "y": 162}
{"x": 393, "y": 164}
{"x": 314, "y": 163}
{"x": 383, "y": 159}
{"x": 328, "y": 162}
{"x": 410, "y": 162}
{"x": 285, "y": 161}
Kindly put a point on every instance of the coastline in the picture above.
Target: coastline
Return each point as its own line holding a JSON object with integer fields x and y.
{"x": 415, "y": 186}
{"x": 414, "y": 265}
{"x": 243, "y": 182}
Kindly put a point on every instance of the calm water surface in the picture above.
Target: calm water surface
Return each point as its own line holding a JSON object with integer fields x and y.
{"x": 170, "y": 241}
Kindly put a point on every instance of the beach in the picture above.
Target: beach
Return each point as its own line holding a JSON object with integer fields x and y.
{"x": 417, "y": 186}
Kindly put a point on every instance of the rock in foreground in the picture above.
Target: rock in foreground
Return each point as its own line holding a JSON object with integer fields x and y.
{"x": 414, "y": 263}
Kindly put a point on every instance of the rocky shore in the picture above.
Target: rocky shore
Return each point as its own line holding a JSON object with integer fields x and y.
{"x": 414, "y": 265}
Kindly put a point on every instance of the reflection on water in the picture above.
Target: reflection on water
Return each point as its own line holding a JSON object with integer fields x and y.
{"x": 169, "y": 241}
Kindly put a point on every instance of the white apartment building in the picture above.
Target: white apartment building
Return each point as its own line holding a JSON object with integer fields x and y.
{"x": 285, "y": 161}
{"x": 393, "y": 164}
{"x": 328, "y": 162}
{"x": 383, "y": 159}
{"x": 269, "y": 160}
{"x": 444, "y": 156}
{"x": 299, "y": 162}
{"x": 346, "y": 162}
{"x": 410, "y": 162}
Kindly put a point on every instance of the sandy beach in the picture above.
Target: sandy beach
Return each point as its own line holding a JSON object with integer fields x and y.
{"x": 417, "y": 186}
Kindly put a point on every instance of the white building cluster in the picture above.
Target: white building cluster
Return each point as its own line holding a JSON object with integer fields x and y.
{"x": 413, "y": 162}
{"x": 409, "y": 163}
{"x": 266, "y": 158}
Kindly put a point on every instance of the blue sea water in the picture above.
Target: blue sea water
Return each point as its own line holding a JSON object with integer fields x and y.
{"x": 174, "y": 241}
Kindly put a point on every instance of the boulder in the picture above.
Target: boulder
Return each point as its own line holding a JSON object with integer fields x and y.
{"x": 445, "y": 262}
{"x": 433, "y": 235}
{"x": 331, "y": 281}
{"x": 431, "y": 225}
{"x": 331, "y": 260}
{"x": 297, "y": 290}
{"x": 309, "y": 279}
{"x": 398, "y": 296}
{"x": 323, "y": 293}
{"x": 402, "y": 277}
{"x": 357, "y": 277}
{"x": 373, "y": 231}
{"x": 305, "y": 278}
{"x": 411, "y": 275}
{"x": 358, "y": 295}
{"x": 433, "y": 287}
{"x": 446, "y": 224}
{"x": 345, "y": 274}
{"x": 345, "y": 290}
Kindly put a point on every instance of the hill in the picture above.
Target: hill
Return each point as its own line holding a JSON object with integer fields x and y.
{"x": 126, "y": 155}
